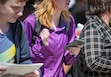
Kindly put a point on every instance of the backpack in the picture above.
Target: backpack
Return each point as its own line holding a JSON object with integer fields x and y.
{"x": 36, "y": 31}
{"x": 38, "y": 27}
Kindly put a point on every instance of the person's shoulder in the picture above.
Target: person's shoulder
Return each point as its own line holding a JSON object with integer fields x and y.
{"x": 70, "y": 15}
{"x": 92, "y": 19}
{"x": 30, "y": 21}
{"x": 72, "y": 18}
{"x": 30, "y": 18}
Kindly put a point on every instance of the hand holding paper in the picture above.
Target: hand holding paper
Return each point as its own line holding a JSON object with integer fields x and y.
{"x": 2, "y": 69}
{"x": 21, "y": 69}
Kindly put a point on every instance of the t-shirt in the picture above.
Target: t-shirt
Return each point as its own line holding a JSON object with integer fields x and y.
{"x": 7, "y": 47}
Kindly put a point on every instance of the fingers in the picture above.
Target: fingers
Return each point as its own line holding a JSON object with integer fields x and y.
{"x": 2, "y": 69}
{"x": 1, "y": 72}
{"x": 75, "y": 50}
{"x": 44, "y": 36}
{"x": 45, "y": 33}
{"x": 33, "y": 74}
{"x": 80, "y": 46}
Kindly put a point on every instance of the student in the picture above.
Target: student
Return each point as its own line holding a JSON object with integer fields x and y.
{"x": 49, "y": 43}
{"x": 95, "y": 56}
{"x": 13, "y": 49}
{"x": 36, "y": 4}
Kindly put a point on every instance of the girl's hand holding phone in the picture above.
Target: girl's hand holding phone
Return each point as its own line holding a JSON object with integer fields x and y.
{"x": 75, "y": 50}
{"x": 75, "y": 46}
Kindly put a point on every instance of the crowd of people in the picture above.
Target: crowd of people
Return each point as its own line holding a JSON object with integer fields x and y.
{"x": 40, "y": 34}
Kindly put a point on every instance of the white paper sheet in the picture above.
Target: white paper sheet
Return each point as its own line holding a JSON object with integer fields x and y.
{"x": 20, "y": 69}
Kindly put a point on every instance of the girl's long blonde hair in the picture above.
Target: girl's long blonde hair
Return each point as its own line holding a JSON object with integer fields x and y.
{"x": 46, "y": 11}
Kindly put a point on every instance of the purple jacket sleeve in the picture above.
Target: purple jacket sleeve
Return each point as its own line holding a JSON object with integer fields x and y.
{"x": 69, "y": 59}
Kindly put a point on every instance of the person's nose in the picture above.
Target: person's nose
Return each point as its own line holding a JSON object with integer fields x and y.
{"x": 20, "y": 12}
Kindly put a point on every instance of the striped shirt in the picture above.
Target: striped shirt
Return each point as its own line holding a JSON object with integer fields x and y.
{"x": 7, "y": 47}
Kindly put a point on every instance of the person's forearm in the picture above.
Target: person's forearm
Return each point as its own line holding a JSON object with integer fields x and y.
{"x": 67, "y": 68}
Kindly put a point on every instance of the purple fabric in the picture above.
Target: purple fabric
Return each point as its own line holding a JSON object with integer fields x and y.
{"x": 53, "y": 56}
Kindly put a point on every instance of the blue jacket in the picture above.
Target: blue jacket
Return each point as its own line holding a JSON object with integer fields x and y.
{"x": 22, "y": 48}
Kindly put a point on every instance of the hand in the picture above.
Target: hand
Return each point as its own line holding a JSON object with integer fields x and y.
{"x": 44, "y": 34}
{"x": 75, "y": 50}
{"x": 2, "y": 69}
{"x": 33, "y": 74}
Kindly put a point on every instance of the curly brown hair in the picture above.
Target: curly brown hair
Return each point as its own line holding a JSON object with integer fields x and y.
{"x": 96, "y": 7}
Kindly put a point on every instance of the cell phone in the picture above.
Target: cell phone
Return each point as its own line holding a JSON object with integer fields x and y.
{"x": 74, "y": 43}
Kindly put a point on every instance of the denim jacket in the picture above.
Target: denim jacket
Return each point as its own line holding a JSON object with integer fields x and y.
{"x": 22, "y": 48}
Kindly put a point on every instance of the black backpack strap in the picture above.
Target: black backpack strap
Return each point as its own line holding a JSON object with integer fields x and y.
{"x": 67, "y": 27}
{"x": 19, "y": 32}
{"x": 36, "y": 30}
{"x": 17, "y": 26}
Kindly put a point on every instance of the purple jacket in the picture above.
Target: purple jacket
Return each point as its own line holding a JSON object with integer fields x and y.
{"x": 53, "y": 56}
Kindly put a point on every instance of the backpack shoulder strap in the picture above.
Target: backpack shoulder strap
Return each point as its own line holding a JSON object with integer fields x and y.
{"x": 18, "y": 26}
{"x": 68, "y": 26}
{"x": 36, "y": 30}
{"x": 19, "y": 32}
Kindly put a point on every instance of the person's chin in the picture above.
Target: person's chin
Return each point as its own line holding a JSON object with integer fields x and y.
{"x": 66, "y": 9}
{"x": 13, "y": 21}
